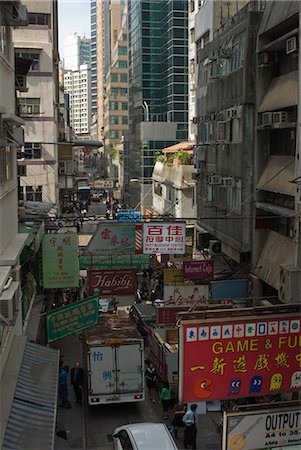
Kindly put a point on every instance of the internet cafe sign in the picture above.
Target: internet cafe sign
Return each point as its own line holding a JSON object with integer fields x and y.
{"x": 263, "y": 429}
{"x": 164, "y": 238}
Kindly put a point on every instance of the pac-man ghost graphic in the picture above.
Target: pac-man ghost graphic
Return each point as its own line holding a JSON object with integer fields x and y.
{"x": 201, "y": 388}
{"x": 296, "y": 380}
{"x": 255, "y": 384}
{"x": 276, "y": 382}
{"x": 234, "y": 386}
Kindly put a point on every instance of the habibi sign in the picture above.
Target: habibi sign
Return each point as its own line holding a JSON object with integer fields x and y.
{"x": 224, "y": 358}
{"x": 112, "y": 282}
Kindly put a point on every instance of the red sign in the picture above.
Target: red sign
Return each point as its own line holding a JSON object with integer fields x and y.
{"x": 239, "y": 357}
{"x": 164, "y": 238}
{"x": 198, "y": 269}
{"x": 168, "y": 315}
{"x": 112, "y": 282}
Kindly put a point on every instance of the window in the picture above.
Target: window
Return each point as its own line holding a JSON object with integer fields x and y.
{"x": 113, "y": 120}
{"x": 236, "y": 130}
{"x": 123, "y": 78}
{"x": 39, "y": 19}
{"x": 122, "y": 64}
{"x": 34, "y": 56}
{"x": 122, "y": 51}
{"x": 29, "y": 105}
{"x": 32, "y": 150}
{"x": 4, "y": 37}
{"x": 125, "y": 120}
{"x": 114, "y": 91}
{"x": 113, "y": 105}
{"x": 38, "y": 194}
{"x": 33, "y": 194}
{"x": 114, "y": 134}
{"x": 234, "y": 197}
{"x": 29, "y": 193}
{"x": 124, "y": 106}
{"x": 123, "y": 91}
{"x": 22, "y": 172}
{"x": 114, "y": 77}
{"x": 6, "y": 164}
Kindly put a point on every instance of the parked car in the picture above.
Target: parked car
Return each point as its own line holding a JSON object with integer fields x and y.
{"x": 143, "y": 436}
{"x": 107, "y": 306}
{"x": 95, "y": 198}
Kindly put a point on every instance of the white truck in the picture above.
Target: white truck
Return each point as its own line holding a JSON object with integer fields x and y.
{"x": 115, "y": 353}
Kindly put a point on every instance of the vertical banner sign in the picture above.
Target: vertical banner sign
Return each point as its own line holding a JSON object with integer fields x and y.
{"x": 239, "y": 357}
{"x": 60, "y": 261}
{"x": 164, "y": 238}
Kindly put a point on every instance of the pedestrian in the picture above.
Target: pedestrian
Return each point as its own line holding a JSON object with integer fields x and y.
{"x": 77, "y": 381}
{"x": 63, "y": 387}
{"x": 190, "y": 420}
{"x": 165, "y": 397}
{"x": 151, "y": 378}
{"x": 177, "y": 421}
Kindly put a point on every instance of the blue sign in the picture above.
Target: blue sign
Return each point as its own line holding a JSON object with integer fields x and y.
{"x": 229, "y": 289}
{"x": 128, "y": 215}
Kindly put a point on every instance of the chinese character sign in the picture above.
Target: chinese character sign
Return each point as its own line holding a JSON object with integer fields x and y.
{"x": 71, "y": 319}
{"x": 239, "y": 359}
{"x": 164, "y": 238}
{"x": 112, "y": 238}
{"x": 60, "y": 261}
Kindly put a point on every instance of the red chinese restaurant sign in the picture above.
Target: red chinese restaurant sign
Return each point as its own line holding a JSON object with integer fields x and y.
{"x": 244, "y": 357}
{"x": 198, "y": 269}
{"x": 112, "y": 282}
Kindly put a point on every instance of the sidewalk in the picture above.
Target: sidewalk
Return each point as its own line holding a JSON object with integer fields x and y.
{"x": 73, "y": 420}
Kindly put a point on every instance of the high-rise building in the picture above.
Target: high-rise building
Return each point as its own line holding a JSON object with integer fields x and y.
{"x": 93, "y": 7}
{"x": 77, "y": 83}
{"x": 38, "y": 105}
{"x": 108, "y": 25}
{"x": 158, "y": 80}
{"x": 76, "y": 51}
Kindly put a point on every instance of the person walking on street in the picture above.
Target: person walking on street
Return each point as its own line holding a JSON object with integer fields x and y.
{"x": 63, "y": 387}
{"x": 165, "y": 399}
{"x": 77, "y": 380}
{"x": 190, "y": 420}
{"x": 151, "y": 378}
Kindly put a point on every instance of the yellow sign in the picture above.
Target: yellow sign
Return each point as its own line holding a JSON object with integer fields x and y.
{"x": 173, "y": 277}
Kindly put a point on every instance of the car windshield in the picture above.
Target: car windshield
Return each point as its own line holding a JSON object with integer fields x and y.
{"x": 152, "y": 437}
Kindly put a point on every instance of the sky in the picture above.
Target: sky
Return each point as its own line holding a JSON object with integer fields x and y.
{"x": 74, "y": 16}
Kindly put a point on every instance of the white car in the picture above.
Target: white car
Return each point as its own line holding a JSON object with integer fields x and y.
{"x": 143, "y": 436}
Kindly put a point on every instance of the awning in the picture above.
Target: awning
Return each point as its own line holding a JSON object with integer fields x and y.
{"x": 277, "y": 250}
{"x": 275, "y": 209}
{"x": 277, "y": 12}
{"x": 280, "y": 170}
{"x": 31, "y": 422}
{"x": 282, "y": 93}
{"x": 178, "y": 147}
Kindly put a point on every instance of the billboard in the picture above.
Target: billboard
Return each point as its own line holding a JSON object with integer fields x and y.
{"x": 198, "y": 270}
{"x": 139, "y": 262}
{"x": 164, "y": 238}
{"x": 103, "y": 184}
{"x": 173, "y": 276}
{"x": 112, "y": 282}
{"x": 227, "y": 358}
{"x": 185, "y": 294}
{"x": 129, "y": 216}
{"x": 263, "y": 429}
{"x": 229, "y": 289}
{"x": 110, "y": 238}
{"x": 60, "y": 261}
{"x": 70, "y": 319}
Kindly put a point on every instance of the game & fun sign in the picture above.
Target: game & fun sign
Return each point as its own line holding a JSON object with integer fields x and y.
{"x": 68, "y": 320}
{"x": 164, "y": 238}
{"x": 60, "y": 260}
{"x": 229, "y": 358}
{"x": 262, "y": 429}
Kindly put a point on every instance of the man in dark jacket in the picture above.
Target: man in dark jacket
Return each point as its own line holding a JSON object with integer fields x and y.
{"x": 77, "y": 381}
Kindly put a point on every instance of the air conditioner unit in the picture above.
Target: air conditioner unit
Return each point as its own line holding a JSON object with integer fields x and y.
{"x": 214, "y": 179}
{"x": 282, "y": 117}
{"x": 291, "y": 45}
{"x": 227, "y": 182}
{"x": 289, "y": 284}
{"x": 267, "y": 59}
{"x": 195, "y": 120}
{"x": 215, "y": 247}
{"x": 267, "y": 118}
{"x": 62, "y": 170}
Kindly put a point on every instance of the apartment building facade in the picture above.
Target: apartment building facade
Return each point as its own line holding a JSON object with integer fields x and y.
{"x": 76, "y": 51}
{"x": 38, "y": 106}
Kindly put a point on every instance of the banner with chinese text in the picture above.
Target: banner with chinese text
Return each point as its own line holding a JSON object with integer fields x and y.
{"x": 110, "y": 238}
{"x": 71, "y": 319}
{"x": 164, "y": 238}
{"x": 186, "y": 294}
{"x": 60, "y": 261}
{"x": 239, "y": 358}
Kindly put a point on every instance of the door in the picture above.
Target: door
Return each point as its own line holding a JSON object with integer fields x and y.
{"x": 102, "y": 365}
{"x": 130, "y": 368}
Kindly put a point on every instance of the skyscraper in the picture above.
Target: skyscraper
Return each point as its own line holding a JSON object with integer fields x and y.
{"x": 93, "y": 58}
{"x": 76, "y": 51}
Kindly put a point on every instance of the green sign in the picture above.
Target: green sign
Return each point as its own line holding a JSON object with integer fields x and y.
{"x": 139, "y": 262}
{"x": 60, "y": 260}
{"x": 70, "y": 319}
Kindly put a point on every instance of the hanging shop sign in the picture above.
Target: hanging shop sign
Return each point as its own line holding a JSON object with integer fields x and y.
{"x": 185, "y": 294}
{"x": 138, "y": 262}
{"x": 229, "y": 289}
{"x": 198, "y": 270}
{"x": 164, "y": 238}
{"x": 129, "y": 216}
{"x": 263, "y": 429}
{"x": 173, "y": 277}
{"x": 112, "y": 238}
{"x": 103, "y": 184}
{"x": 241, "y": 357}
{"x": 112, "y": 282}
{"x": 71, "y": 319}
{"x": 60, "y": 261}
{"x": 167, "y": 315}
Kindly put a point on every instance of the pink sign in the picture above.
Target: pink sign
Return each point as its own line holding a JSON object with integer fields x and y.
{"x": 198, "y": 269}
